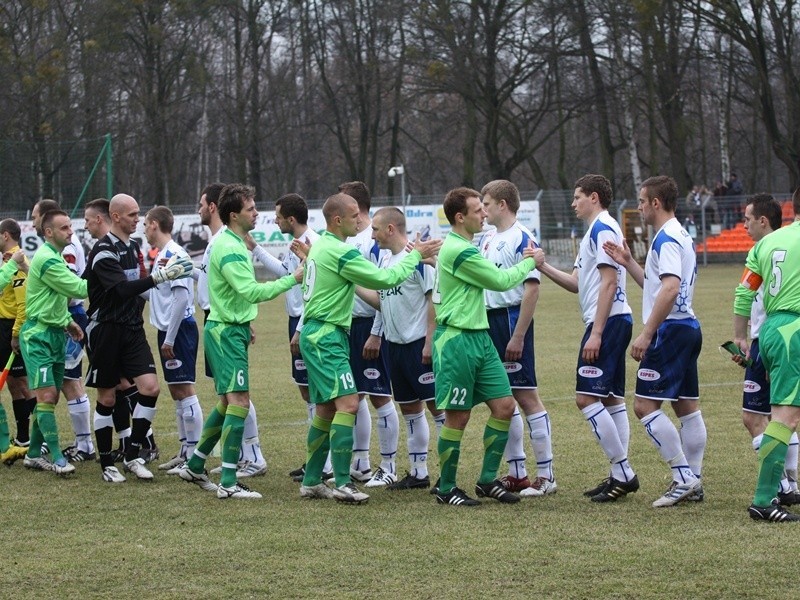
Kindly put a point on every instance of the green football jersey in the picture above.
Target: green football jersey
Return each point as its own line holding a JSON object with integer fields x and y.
{"x": 232, "y": 286}
{"x": 775, "y": 259}
{"x": 462, "y": 275}
{"x": 50, "y": 286}
{"x": 332, "y": 271}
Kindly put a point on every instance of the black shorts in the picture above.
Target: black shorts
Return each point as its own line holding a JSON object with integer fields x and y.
{"x": 116, "y": 351}
{"x": 18, "y": 366}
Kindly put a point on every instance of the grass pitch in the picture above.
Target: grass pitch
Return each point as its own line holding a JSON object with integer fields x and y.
{"x": 81, "y": 537}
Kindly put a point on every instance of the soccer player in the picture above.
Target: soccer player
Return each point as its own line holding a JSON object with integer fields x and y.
{"x": 466, "y": 364}
{"x": 774, "y": 262}
{"x": 14, "y": 264}
{"x": 251, "y": 460}
{"x": 332, "y": 270}
{"x": 510, "y": 314}
{"x": 117, "y": 343}
{"x": 172, "y": 314}
{"x": 291, "y": 216}
{"x": 369, "y": 365}
{"x": 74, "y": 393}
{"x": 762, "y": 216}
{"x": 12, "y": 316}
{"x": 408, "y": 321}
{"x": 600, "y": 284}
{"x": 668, "y": 346}
{"x": 50, "y": 285}
{"x": 234, "y": 293}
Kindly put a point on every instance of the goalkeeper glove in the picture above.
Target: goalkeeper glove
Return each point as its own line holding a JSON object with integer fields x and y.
{"x": 177, "y": 267}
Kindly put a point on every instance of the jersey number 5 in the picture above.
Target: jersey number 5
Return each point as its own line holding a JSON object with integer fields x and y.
{"x": 777, "y": 275}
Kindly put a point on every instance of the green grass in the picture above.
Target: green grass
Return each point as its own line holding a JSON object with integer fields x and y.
{"x": 82, "y": 537}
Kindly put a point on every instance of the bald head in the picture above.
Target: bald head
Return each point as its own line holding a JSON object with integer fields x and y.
{"x": 121, "y": 203}
{"x": 124, "y": 212}
{"x": 337, "y": 206}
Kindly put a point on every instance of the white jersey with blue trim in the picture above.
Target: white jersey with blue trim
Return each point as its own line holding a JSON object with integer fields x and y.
{"x": 757, "y": 313}
{"x": 75, "y": 258}
{"x": 203, "y": 299}
{"x": 504, "y": 249}
{"x": 161, "y": 296}
{"x": 371, "y": 251}
{"x": 294, "y": 297}
{"x": 591, "y": 257}
{"x": 671, "y": 253}
{"x": 404, "y": 307}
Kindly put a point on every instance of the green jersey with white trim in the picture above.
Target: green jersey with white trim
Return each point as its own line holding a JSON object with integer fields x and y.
{"x": 462, "y": 275}
{"x": 51, "y": 284}
{"x": 232, "y": 287}
{"x": 775, "y": 259}
{"x": 332, "y": 271}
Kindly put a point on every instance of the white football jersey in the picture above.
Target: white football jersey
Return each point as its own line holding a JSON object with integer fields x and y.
{"x": 504, "y": 249}
{"x": 203, "y": 299}
{"x": 369, "y": 249}
{"x": 404, "y": 307}
{"x": 162, "y": 294}
{"x": 591, "y": 257}
{"x": 294, "y": 297}
{"x": 75, "y": 258}
{"x": 757, "y": 313}
{"x": 671, "y": 253}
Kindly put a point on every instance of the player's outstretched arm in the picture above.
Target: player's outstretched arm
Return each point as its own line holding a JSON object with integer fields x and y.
{"x": 568, "y": 281}
{"x": 427, "y": 249}
{"x": 474, "y": 269}
{"x": 622, "y": 255}
{"x": 371, "y": 297}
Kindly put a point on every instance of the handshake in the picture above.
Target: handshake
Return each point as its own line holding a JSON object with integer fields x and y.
{"x": 177, "y": 267}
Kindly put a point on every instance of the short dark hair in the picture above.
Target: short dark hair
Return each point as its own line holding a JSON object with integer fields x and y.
{"x": 293, "y": 205}
{"x": 392, "y": 215}
{"x": 359, "y": 191}
{"x": 764, "y": 205}
{"x": 47, "y": 218}
{"x": 232, "y": 198}
{"x": 12, "y": 228}
{"x": 456, "y": 202}
{"x": 664, "y": 188}
{"x": 163, "y": 216}
{"x": 47, "y": 205}
{"x": 212, "y": 192}
{"x": 101, "y": 207}
{"x": 500, "y": 189}
{"x": 597, "y": 184}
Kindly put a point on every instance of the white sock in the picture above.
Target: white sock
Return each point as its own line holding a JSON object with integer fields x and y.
{"x": 438, "y": 421}
{"x": 181, "y": 428}
{"x": 417, "y": 440}
{"x": 192, "y": 422}
{"x": 693, "y": 440}
{"x": 542, "y": 442}
{"x": 79, "y": 414}
{"x": 791, "y": 461}
{"x": 757, "y": 442}
{"x": 251, "y": 448}
{"x": 311, "y": 410}
{"x": 665, "y": 438}
{"x": 605, "y": 432}
{"x": 619, "y": 413}
{"x": 388, "y": 424}
{"x": 362, "y": 430}
{"x": 515, "y": 449}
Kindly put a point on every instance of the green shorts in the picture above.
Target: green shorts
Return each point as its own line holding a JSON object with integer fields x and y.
{"x": 779, "y": 344}
{"x": 468, "y": 369}
{"x": 326, "y": 352}
{"x": 226, "y": 348}
{"x": 43, "y": 350}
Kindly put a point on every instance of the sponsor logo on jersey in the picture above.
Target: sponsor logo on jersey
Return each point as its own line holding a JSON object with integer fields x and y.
{"x": 589, "y": 371}
{"x": 300, "y": 364}
{"x": 372, "y": 373}
{"x": 173, "y": 363}
{"x": 427, "y": 377}
{"x": 512, "y": 367}
{"x": 751, "y": 387}
{"x": 648, "y": 375}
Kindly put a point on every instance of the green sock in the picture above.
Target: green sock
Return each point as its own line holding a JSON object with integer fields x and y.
{"x": 46, "y": 418}
{"x": 212, "y": 429}
{"x": 231, "y": 442}
{"x": 36, "y": 439}
{"x": 5, "y": 435}
{"x": 495, "y": 437}
{"x": 771, "y": 458}
{"x": 341, "y": 442}
{"x": 319, "y": 442}
{"x": 449, "y": 447}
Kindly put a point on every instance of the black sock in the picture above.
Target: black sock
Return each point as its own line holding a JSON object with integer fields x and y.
{"x": 22, "y": 415}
